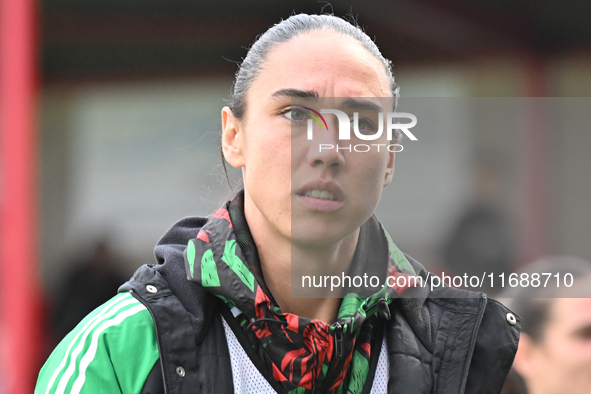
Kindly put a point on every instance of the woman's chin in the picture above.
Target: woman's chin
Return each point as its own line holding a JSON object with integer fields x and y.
{"x": 317, "y": 233}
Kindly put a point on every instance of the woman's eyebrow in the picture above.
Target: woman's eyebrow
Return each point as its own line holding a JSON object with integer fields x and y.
{"x": 283, "y": 93}
{"x": 354, "y": 103}
{"x": 584, "y": 331}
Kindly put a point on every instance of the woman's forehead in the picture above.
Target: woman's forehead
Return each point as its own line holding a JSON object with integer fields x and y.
{"x": 332, "y": 64}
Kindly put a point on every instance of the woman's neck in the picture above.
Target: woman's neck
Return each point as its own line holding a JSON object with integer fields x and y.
{"x": 277, "y": 252}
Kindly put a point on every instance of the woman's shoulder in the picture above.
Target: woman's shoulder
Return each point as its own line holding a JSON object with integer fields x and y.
{"x": 101, "y": 348}
{"x": 462, "y": 332}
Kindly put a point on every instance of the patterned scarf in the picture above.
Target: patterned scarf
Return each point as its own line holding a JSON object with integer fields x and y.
{"x": 305, "y": 355}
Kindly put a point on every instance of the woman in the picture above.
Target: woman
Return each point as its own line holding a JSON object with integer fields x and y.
{"x": 216, "y": 314}
{"x": 554, "y": 353}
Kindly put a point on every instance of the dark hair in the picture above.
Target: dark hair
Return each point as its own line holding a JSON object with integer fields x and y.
{"x": 284, "y": 31}
{"x": 252, "y": 65}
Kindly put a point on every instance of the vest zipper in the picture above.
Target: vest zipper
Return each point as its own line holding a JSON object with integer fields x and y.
{"x": 338, "y": 354}
{"x": 479, "y": 316}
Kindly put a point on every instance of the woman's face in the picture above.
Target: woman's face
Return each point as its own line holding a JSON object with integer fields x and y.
{"x": 561, "y": 361}
{"x": 291, "y": 187}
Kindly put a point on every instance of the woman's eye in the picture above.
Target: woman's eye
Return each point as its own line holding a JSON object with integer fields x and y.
{"x": 363, "y": 125}
{"x": 295, "y": 115}
{"x": 584, "y": 333}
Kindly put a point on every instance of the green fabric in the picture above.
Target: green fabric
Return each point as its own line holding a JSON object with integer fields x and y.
{"x": 209, "y": 271}
{"x": 191, "y": 258}
{"x": 95, "y": 357}
{"x": 359, "y": 371}
{"x": 237, "y": 265}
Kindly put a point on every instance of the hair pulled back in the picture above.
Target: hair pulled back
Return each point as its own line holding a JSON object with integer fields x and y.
{"x": 253, "y": 63}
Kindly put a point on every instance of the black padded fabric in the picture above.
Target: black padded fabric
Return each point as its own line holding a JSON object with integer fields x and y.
{"x": 154, "y": 383}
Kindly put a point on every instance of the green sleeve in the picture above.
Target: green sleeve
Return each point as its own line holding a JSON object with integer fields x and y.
{"x": 111, "y": 351}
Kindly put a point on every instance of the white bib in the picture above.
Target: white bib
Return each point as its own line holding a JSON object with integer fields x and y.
{"x": 248, "y": 380}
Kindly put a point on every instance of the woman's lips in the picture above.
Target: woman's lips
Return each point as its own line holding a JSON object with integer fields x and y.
{"x": 321, "y": 195}
{"x": 320, "y": 204}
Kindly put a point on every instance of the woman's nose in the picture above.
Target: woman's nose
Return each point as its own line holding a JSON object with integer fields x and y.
{"x": 325, "y": 150}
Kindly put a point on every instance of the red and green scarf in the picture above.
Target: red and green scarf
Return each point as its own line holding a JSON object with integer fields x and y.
{"x": 305, "y": 355}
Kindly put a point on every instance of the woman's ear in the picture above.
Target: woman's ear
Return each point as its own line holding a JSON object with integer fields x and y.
{"x": 389, "y": 174}
{"x": 524, "y": 362}
{"x": 232, "y": 141}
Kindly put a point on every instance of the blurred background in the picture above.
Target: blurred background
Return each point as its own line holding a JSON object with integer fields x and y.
{"x": 110, "y": 119}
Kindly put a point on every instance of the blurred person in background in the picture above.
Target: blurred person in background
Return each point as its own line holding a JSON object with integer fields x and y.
{"x": 480, "y": 240}
{"x": 554, "y": 355}
{"x": 93, "y": 279}
{"x": 217, "y": 315}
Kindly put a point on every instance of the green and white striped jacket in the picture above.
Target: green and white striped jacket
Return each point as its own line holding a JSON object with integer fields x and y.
{"x": 100, "y": 349}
